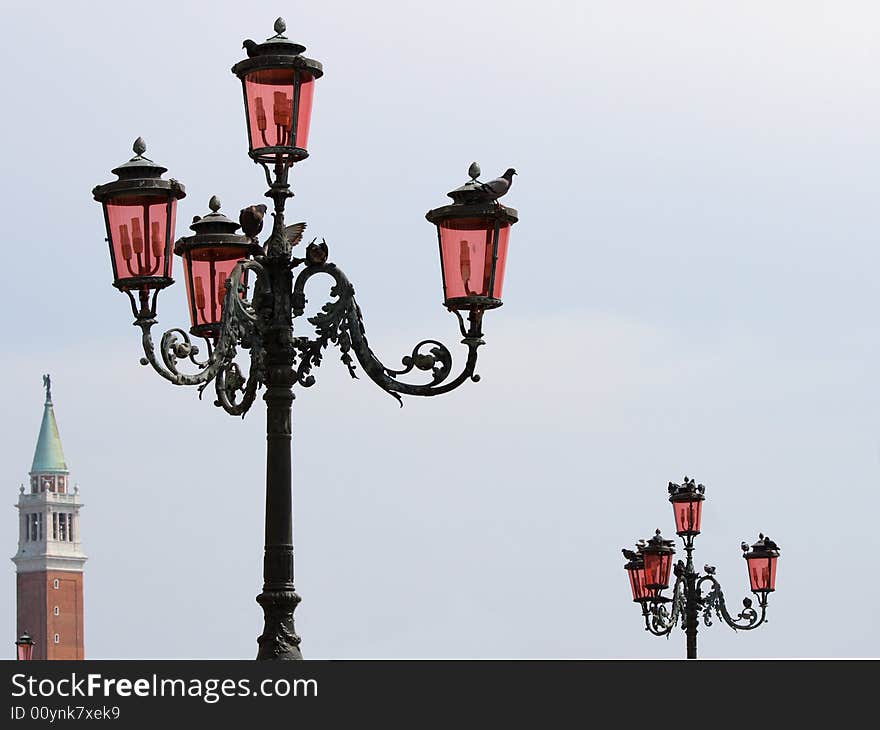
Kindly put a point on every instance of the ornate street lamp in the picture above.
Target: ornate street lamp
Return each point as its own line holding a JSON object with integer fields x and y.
{"x": 208, "y": 260}
{"x": 687, "y": 505}
{"x": 24, "y": 647}
{"x": 694, "y": 593}
{"x": 635, "y": 568}
{"x": 761, "y": 560}
{"x": 473, "y": 234}
{"x": 139, "y": 213}
{"x": 278, "y": 85}
{"x": 233, "y": 313}
{"x": 657, "y": 554}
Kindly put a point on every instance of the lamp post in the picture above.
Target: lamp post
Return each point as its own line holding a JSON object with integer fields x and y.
{"x": 24, "y": 647}
{"x": 230, "y": 312}
{"x": 649, "y": 565}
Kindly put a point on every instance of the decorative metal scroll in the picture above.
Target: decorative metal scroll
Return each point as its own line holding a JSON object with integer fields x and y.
{"x": 245, "y": 322}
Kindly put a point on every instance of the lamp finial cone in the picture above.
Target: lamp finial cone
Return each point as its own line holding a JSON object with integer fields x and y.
{"x": 214, "y": 203}
{"x": 139, "y": 146}
{"x": 280, "y": 26}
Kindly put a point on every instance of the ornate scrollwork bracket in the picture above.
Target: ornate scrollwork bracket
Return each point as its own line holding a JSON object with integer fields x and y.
{"x": 340, "y": 322}
{"x": 244, "y": 324}
{"x": 238, "y": 327}
{"x": 713, "y": 601}
{"x": 660, "y": 620}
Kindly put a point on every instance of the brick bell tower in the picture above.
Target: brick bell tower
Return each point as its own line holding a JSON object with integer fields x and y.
{"x": 49, "y": 562}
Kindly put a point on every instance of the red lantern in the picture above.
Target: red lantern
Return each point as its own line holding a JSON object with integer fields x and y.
{"x": 24, "y": 647}
{"x": 278, "y": 86}
{"x": 657, "y": 554}
{"x": 687, "y": 504}
{"x": 473, "y": 234}
{"x": 761, "y": 562}
{"x": 635, "y": 569}
{"x": 208, "y": 259}
{"x": 139, "y": 213}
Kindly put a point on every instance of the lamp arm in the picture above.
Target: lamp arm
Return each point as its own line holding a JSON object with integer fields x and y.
{"x": 659, "y": 621}
{"x": 238, "y": 325}
{"x": 713, "y": 600}
{"x": 340, "y": 322}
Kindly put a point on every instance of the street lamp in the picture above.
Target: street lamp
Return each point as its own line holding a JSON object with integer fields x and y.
{"x": 24, "y": 647}
{"x": 648, "y": 568}
{"x": 229, "y": 311}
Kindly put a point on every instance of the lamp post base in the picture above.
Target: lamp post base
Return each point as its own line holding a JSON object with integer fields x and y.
{"x": 279, "y": 640}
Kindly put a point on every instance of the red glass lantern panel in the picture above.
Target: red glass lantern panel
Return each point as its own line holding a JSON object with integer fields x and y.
{"x": 687, "y": 516}
{"x": 279, "y": 107}
{"x": 466, "y": 250}
{"x": 762, "y": 573}
{"x": 640, "y": 591}
{"x": 657, "y": 569}
{"x": 24, "y": 648}
{"x": 140, "y": 229}
{"x": 207, "y": 270}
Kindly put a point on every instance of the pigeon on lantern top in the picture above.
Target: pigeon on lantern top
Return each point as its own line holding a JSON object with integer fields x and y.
{"x": 494, "y": 189}
{"x": 251, "y": 219}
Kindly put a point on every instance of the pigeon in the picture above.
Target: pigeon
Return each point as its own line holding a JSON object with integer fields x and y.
{"x": 251, "y": 219}
{"x": 251, "y": 47}
{"x": 745, "y": 547}
{"x": 293, "y": 234}
{"x": 316, "y": 253}
{"x": 499, "y": 186}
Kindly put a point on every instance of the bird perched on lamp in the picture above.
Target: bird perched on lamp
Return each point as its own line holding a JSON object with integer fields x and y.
{"x": 251, "y": 219}
{"x": 494, "y": 189}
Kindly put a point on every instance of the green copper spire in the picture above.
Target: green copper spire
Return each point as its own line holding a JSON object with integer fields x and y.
{"x": 48, "y": 456}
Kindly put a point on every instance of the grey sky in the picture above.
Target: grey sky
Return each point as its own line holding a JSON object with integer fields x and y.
{"x": 691, "y": 289}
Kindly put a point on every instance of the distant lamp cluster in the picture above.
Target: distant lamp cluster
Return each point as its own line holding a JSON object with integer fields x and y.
{"x": 649, "y": 567}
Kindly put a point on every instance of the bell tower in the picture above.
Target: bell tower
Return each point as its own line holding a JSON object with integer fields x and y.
{"x": 49, "y": 562}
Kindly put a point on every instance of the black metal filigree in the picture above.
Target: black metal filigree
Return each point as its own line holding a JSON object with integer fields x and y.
{"x": 340, "y": 322}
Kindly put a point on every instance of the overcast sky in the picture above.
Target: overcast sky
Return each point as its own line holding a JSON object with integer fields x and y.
{"x": 692, "y": 289}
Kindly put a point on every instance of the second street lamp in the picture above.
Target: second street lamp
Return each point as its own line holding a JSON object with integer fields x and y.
{"x": 231, "y": 312}
{"x": 648, "y": 568}
{"x": 24, "y": 647}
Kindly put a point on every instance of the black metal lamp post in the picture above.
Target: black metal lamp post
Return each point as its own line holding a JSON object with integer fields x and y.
{"x": 648, "y": 568}
{"x": 24, "y": 647}
{"x": 229, "y": 312}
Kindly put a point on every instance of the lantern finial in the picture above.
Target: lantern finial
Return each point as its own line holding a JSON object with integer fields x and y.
{"x": 139, "y": 146}
{"x": 214, "y": 203}
{"x": 474, "y": 171}
{"x": 280, "y": 26}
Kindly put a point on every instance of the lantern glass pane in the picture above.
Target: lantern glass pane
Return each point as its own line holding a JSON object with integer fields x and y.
{"x": 304, "y": 113}
{"x": 466, "y": 249}
{"x": 503, "y": 235}
{"x": 657, "y": 569}
{"x": 271, "y": 107}
{"x": 24, "y": 651}
{"x": 206, "y": 273}
{"x": 139, "y": 235}
{"x": 687, "y": 516}
{"x": 762, "y": 573}
{"x": 637, "y": 583}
